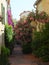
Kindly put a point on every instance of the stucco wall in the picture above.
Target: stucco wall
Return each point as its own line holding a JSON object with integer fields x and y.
{"x": 0, "y": 6}
{"x": 5, "y": 6}
{"x": 1, "y": 35}
{"x": 4, "y": 3}
{"x": 43, "y": 6}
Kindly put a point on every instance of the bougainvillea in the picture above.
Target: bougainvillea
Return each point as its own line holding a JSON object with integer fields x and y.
{"x": 10, "y": 22}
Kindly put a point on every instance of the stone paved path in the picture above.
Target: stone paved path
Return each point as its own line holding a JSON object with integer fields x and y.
{"x": 18, "y": 58}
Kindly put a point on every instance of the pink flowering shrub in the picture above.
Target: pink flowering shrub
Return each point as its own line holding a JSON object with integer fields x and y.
{"x": 31, "y": 17}
{"x": 42, "y": 17}
{"x": 23, "y": 33}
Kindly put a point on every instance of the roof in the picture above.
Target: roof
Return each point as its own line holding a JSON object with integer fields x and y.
{"x": 24, "y": 12}
{"x": 37, "y": 2}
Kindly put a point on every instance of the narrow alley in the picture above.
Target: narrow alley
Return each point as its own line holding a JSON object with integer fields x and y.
{"x": 18, "y": 58}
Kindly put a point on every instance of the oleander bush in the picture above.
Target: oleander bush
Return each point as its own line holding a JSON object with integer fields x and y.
{"x": 23, "y": 33}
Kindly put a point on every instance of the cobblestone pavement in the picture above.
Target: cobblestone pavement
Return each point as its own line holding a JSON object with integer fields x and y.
{"x": 18, "y": 58}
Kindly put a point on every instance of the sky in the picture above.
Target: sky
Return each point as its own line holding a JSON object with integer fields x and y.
{"x": 18, "y": 6}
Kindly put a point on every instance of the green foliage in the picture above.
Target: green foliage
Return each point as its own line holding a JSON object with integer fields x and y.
{"x": 9, "y": 37}
{"x": 5, "y": 52}
{"x": 27, "y": 48}
{"x": 37, "y": 16}
{"x": 43, "y": 15}
{"x": 40, "y": 44}
{"x": 9, "y": 32}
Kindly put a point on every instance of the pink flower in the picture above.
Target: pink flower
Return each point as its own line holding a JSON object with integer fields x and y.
{"x": 21, "y": 34}
{"x": 42, "y": 13}
{"x": 31, "y": 18}
{"x": 20, "y": 28}
{"x": 16, "y": 27}
{"x": 47, "y": 21}
{"x": 25, "y": 21}
{"x": 17, "y": 31}
{"x": 42, "y": 20}
{"x": 17, "y": 37}
{"x": 39, "y": 20}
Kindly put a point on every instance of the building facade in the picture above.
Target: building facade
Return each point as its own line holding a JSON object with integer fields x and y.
{"x": 3, "y": 10}
{"x": 42, "y": 5}
{"x": 3, "y": 20}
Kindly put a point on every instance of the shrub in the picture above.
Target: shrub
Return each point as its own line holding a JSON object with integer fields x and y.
{"x": 40, "y": 45}
{"x": 9, "y": 37}
{"x": 27, "y": 48}
{"x": 5, "y": 52}
{"x": 31, "y": 17}
{"x": 23, "y": 33}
